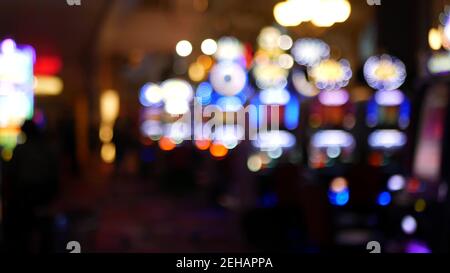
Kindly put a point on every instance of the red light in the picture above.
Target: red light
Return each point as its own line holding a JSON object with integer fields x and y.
{"x": 248, "y": 55}
{"x": 47, "y": 65}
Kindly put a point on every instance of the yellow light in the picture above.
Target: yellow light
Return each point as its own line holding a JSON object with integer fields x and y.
{"x": 328, "y": 12}
{"x": 108, "y": 152}
{"x": 325, "y": 15}
{"x": 268, "y": 38}
{"x": 286, "y": 15}
{"x": 386, "y": 70}
{"x": 7, "y": 154}
{"x": 109, "y": 106}
{"x": 329, "y": 70}
{"x": 305, "y": 8}
{"x": 343, "y": 9}
{"x": 9, "y": 137}
{"x": 322, "y": 13}
{"x": 435, "y": 39}
{"x": 48, "y": 86}
{"x": 254, "y": 163}
{"x": 420, "y": 205}
{"x": 196, "y": 72}
{"x": 106, "y": 133}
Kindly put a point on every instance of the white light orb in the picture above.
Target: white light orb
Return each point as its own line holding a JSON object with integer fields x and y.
{"x": 150, "y": 94}
{"x": 285, "y": 42}
{"x": 228, "y": 78}
{"x": 229, "y": 49}
{"x": 409, "y": 225}
{"x": 209, "y": 47}
{"x": 268, "y": 38}
{"x": 308, "y": 51}
{"x": 184, "y": 48}
{"x": 396, "y": 183}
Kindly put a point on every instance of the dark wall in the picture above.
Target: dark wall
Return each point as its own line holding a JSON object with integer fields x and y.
{"x": 403, "y": 30}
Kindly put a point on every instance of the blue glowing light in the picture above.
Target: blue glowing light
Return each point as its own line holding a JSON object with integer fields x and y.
{"x": 339, "y": 198}
{"x": 292, "y": 113}
{"x": 204, "y": 93}
{"x": 151, "y": 95}
{"x": 230, "y": 104}
{"x": 405, "y": 113}
{"x": 372, "y": 112}
{"x": 384, "y": 199}
{"x": 254, "y": 116}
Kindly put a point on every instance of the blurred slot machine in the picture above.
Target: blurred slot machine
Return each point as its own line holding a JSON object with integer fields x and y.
{"x": 428, "y": 188}
{"x": 16, "y": 97}
{"x": 428, "y": 207}
{"x": 388, "y": 118}
{"x": 222, "y": 99}
{"x": 277, "y": 108}
{"x": 432, "y": 129}
{"x": 276, "y": 112}
{"x": 219, "y": 126}
{"x": 320, "y": 82}
{"x": 16, "y": 92}
{"x": 166, "y": 133}
{"x": 165, "y": 118}
{"x": 331, "y": 148}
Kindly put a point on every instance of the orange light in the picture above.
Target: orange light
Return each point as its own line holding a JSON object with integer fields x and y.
{"x": 202, "y": 145}
{"x": 339, "y": 184}
{"x": 205, "y": 61}
{"x": 218, "y": 150}
{"x": 166, "y": 144}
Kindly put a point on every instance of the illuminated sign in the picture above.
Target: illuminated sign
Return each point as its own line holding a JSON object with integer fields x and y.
{"x": 16, "y": 86}
{"x": 387, "y": 139}
{"x": 439, "y": 63}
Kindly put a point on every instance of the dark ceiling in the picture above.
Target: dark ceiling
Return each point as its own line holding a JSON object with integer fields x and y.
{"x": 52, "y": 26}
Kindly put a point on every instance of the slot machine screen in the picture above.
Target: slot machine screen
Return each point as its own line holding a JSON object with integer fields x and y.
{"x": 427, "y": 162}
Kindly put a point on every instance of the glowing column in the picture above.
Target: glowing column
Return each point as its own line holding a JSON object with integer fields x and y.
{"x": 16, "y": 91}
{"x": 109, "y": 111}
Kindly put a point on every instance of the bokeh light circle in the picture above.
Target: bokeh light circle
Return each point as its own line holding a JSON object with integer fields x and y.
{"x": 228, "y": 78}
{"x": 384, "y": 72}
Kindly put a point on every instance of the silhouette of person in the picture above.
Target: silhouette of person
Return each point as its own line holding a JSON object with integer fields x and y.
{"x": 32, "y": 180}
